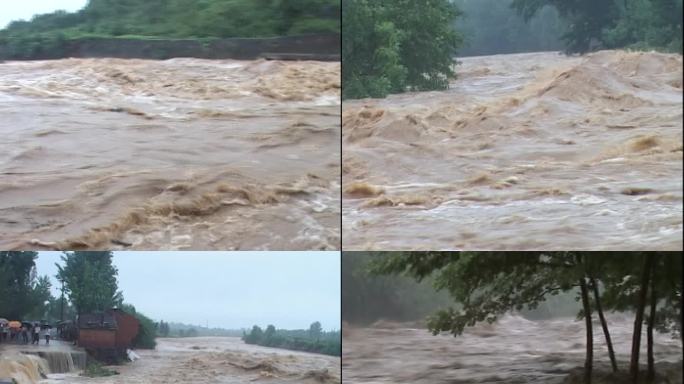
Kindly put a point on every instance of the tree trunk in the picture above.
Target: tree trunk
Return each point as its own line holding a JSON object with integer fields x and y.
{"x": 639, "y": 318}
{"x": 651, "y": 323}
{"x": 604, "y": 324}
{"x": 590, "y": 336}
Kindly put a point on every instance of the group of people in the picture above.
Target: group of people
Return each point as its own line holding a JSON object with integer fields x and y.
{"x": 23, "y": 332}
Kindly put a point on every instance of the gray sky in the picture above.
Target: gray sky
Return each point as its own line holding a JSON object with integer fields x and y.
{"x": 228, "y": 289}
{"x": 25, "y": 9}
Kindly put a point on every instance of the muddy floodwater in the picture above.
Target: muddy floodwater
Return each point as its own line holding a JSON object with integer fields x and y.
{"x": 203, "y": 360}
{"x": 523, "y": 151}
{"x": 167, "y": 155}
{"x": 513, "y": 350}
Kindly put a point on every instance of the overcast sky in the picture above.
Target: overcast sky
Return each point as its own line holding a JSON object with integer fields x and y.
{"x": 228, "y": 289}
{"x": 25, "y": 9}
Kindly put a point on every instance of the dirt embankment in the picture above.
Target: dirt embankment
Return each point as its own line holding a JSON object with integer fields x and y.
{"x": 311, "y": 47}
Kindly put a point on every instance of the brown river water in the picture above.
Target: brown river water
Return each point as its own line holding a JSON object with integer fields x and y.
{"x": 513, "y": 350}
{"x": 524, "y": 151}
{"x": 201, "y": 360}
{"x": 166, "y": 155}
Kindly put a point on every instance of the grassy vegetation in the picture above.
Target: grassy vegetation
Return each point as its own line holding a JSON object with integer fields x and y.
{"x": 96, "y": 369}
{"x": 147, "y": 333}
{"x": 47, "y": 35}
{"x": 313, "y": 340}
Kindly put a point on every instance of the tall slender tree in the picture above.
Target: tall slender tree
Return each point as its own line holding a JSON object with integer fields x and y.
{"x": 90, "y": 280}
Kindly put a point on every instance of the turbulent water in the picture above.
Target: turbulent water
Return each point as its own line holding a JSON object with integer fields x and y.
{"x": 525, "y": 151}
{"x": 23, "y": 369}
{"x": 28, "y": 364}
{"x": 513, "y": 350}
{"x": 212, "y": 360}
{"x": 176, "y": 154}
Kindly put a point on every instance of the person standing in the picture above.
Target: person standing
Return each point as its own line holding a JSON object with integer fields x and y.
{"x": 24, "y": 334}
{"x": 36, "y": 334}
{"x": 47, "y": 330}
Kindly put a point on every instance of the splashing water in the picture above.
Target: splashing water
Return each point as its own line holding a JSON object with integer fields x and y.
{"x": 524, "y": 151}
{"x": 167, "y": 155}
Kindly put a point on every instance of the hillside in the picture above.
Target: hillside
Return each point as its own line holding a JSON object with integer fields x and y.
{"x": 59, "y": 33}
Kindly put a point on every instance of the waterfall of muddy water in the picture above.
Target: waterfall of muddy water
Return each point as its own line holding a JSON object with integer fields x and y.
{"x": 164, "y": 155}
{"x": 24, "y": 369}
{"x": 63, "y": 361}
{"x": 217, "y": 360}
{"x": 30, "y": 364}
{"x": 513, "y": 350}
{"x": 524, "y": 151}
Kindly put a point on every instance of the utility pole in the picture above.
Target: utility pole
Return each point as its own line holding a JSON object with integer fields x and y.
{"x": 61, "y": 304}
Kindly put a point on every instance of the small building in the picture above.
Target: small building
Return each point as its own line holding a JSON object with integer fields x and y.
{"x": 107, "y": 335}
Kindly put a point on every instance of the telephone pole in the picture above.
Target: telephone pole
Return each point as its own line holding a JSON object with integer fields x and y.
{"x": 61, "y": 304}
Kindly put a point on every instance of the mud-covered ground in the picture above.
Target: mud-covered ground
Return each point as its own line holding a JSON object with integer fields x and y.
{"x": 168, "y": 155}
{"x": 513, "y": 350}
{"x": 524, "y": 151}
{"x": 201, "y": 360}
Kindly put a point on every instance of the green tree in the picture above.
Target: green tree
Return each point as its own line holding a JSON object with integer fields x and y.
{"x": 42, "y": 299}
{"x": 645, "y": 24}
{"x": 269, "y": 334}
{"x": 255, "y": 336}
{"x": 593, "y": 24}
{"x": 163, "y": 329}
{"x": 391, "y": 47}
{"x": 315, "y": 330}
{"x": 147, "y": 331}
{"x": 586, "y": 19}
{"x": 21, "y": 291}
{"x": 494, "y": 27}
{"x": 368, "y": 298}
{"x": 638, "y": 280}
{"x": 185, "y": 18}
{"x": 489, "y": 284}
{"x": 328, "y": 343}
{"x": 90, "y": 280}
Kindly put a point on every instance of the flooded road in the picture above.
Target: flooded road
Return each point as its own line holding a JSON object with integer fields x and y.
{"x": 169, "y": 155}
{"x": 513, "y": 350}
{"x": 524, "y": 151}
{"x": 209, "y": 360}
